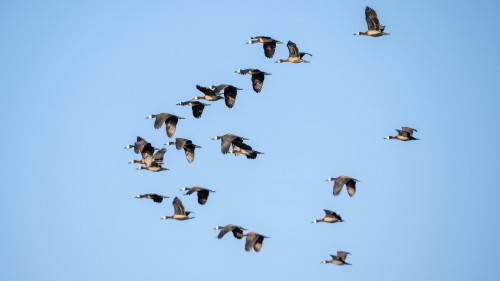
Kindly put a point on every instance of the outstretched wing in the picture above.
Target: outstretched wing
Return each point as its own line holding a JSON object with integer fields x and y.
{"x": 258, "y": 243}
{"x": 160, "y": 119}
{"x": 342, "y": 255}
{"x": 230, "y": 96}
{"x": 269, "y": 49}
{"x": 198, "y": 109}
{"x": 178, "y": 207}
{"x": 409, "y": 130}
{"x": 258, "y": 81}
{"x": 205, "y": 90}
{"x": 189, "y": 151}
{"x": 203, "y": 196}
{"x": 371, "y": 19}
{"x": 337, "y": 187}
{"x": 293, "y": 51}
{"x": 351, "y": 187}
{"x": 251, "y": 240}
{"x": 171, "y": 125}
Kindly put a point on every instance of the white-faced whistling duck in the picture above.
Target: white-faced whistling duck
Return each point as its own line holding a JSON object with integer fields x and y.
{"x": 257, "y": 77}
{"x": 330, "y": 217}
{"x": 245, "y": 149}
{"x": 153, "y": 196}
{"x": 405, "y": 134}
{"x": 294, "y": 55}
{"x": 269, "y": 44}
{"x": 374, "y": 27}
{"x": 158, "y": 156}
{"x": 188, "y": 146}
{"x": 339, "y": 259}
{"x": 209, "y": 94}
{"x": 170, "y": 121}
{"x": 200, "y": 191}
{"x": 237, "y": 231}
{"x": 179, "y": 212}
{"x": 227, "y": 140}
{"x": 152, "y": 165}
{"x": 140, "y": 145}
{"x": 230, "y": 93}
{"x": 339, "y": 183}
{"x": 254, "y": 240}
{"x": 196, "y": 106}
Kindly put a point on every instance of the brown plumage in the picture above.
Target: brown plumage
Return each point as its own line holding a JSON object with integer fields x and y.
{"x": 188, "y": 147}
{"x": 405, "y": 134}
{"x": 339, "y": 183}
{"x": 229, "y": 93}
{"x": 245, "y": 149}
{"x": 170, "y": 121}
{"x": 158, "y": 156}
{"x": 209, "y": 94}
{"x": 294, "y": 56}
{"x": 339, "y": 259}
{"x": 374, "y": 27}
{"x": 227, "y": 140}
{"x": 153, "y": 196}
{"x": 179, "y": 212}
{"x": 330, "y": 217}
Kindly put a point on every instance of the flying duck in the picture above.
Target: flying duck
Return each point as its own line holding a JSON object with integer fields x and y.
{"x": 229, "y": 93}
{"x": 139, "y": 145}
{"x": 374, "y": 27}
{"x": 188, "y": 146}
{"x": 179, "y": 212}
{"x": 170, "y": 121}
{"x": 405, "y": 134}
{"x": 152, "y": 165}
{"x": 209, "y": 94}
{"x": 340, "y": 181}
{"x": 155, "y": 197}
{"x": 245, "y": 149}
{"x": 158, "y": 156}
{"x": 254, "y": 240}
{"x": 294, "y": 55}
{"x": 201, "y": 192}
{"x": 339, "y": 259}
{"x": 257, "y": 77}
{"x": 196, "y": 106}
{"x": 330, "y": 217}
{"x": 227, "y": 140}
{"x": 269, "y": 44}
{"x": 237, "y": 231}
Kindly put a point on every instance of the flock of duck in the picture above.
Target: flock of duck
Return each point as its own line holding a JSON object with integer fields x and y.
{"x": 152, "y": 157}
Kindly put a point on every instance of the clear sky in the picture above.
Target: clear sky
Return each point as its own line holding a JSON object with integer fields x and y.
{"x": 78, "y": 78}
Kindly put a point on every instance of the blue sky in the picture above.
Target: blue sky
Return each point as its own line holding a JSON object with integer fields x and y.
{"x": 78, "y": 79}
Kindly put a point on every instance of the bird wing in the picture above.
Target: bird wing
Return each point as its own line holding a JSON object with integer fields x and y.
{"x": 409, "y": 130}
{"x": 220, "y": 88}
{"x": 293, "y": 51}
{"x": 178, "y": 207}
{"x": 171, "y": 123}
{"x": 205, "y": 90}
{"x": 269, "y": 49}
{"x": 226, "y": 142}
{"x": 203, "y": 196}
{"x": 402, "y": 133}
{"x": 250, "y": 242}
{"x": 160, "y": 119}
{"x": 158, "y": 156}
{"x": 302, "y": 54}
{"x": 371, "y": 19}
{"x": 238, "y": 232}
{"x": 258, "y": 243}
{"x": 258, "y": 81}
{"x": 147, "y": 149}
{"x": 139, "y": 145}
{"x": 342, "y": 255}
{"x": 337, "y": 187}
{"x": 230, "y": 96}
{"x": 225, "y": 230}
{"x": 150, "y": 161}
{"x": 189, "y": 151}
{"x": 180, "y": 142}
{"x": 351, "y": 187}
{"x": 198, "y": 109}
{"x": 329, "y": 213}
{"x": 157, "y": 198}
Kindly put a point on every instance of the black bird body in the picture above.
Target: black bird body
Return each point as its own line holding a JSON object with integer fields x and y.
{"x": 257, "y": 77}
{"x": 196, "y": 106}
{"x": 269, "y": 44}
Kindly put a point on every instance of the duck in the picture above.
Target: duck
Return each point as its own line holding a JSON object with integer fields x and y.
{"x": 152, "y": 165}
{"x": 294, "y": 56}
{"x": 188, "y": 146}
{"x": 229, "y": 93}
{"x": 139, "y": 145}
{"x": 269, "y": 44}
{"x": 196, "y": 106}
{"x": 227, "y": 140}
{"x": 245, "y": 149}
{"x": 339, "y": 183}
{"x": 330, "y": 217}
{"x": 200, "y": 191}
{"x": 257, "y": 77}
{"x": 339, "y": 259}
{"x": 158, "y": 156}
{"x": 374, "y": 27}
{"x": 236, "y": 230}
{"x": 153, "y": 196}
{"x": 179, "y": 212}
{"x": 209, "y": 94}
{"x": 170, "y": 121}
{"x": 405, "y": 134}
{"x": 254, "y": 240}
